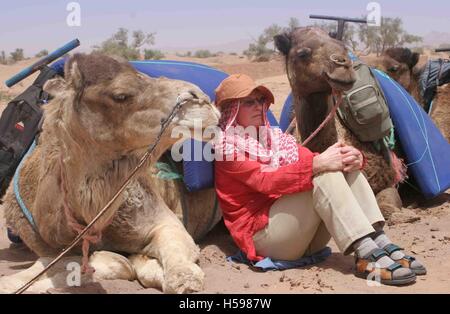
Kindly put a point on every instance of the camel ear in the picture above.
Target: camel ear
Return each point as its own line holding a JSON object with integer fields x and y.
{"x": 55, "y": 86}
{"x": 414, "y": 59}
{"x": 72, "y": 73}
{"x": 283, "y": 43}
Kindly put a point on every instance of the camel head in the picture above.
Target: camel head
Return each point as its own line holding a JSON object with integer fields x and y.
{"x": 399, "y": 64}
{"x": 315, "y": 62}
{"x": 108, "y": 104}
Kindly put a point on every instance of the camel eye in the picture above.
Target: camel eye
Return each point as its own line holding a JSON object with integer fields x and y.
{"x": 121, "y": 97}
{"x": 303, "y": 53}
{"x": 393, "y": 69}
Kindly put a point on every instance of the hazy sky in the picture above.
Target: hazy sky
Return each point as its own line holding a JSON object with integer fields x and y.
{"x": 38, "y": 24}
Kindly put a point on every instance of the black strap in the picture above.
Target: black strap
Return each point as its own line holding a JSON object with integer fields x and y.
{"x": 46, "y": 73}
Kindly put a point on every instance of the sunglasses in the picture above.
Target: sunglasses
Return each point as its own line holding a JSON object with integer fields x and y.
{"x": 251, "y": 102}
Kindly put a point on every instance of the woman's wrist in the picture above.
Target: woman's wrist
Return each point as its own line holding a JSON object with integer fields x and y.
{"x": 363, "y": 161}
{"x": 317, "y": 165}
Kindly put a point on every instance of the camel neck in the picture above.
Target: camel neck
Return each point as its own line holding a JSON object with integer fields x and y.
{"x": 312, "y": 111}
{"x": 414, "y": 88}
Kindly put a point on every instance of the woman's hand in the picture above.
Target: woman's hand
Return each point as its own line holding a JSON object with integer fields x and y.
{"x": 352, "y": 158}
{"x": 329, "y": 160}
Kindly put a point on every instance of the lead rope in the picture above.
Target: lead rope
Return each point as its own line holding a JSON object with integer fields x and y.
{"x": 335, "y": 94}
{"x": 83, "y": 233}
{"x": 92, "y": 236}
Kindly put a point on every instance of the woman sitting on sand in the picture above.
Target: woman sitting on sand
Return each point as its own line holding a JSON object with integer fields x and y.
{"x": 282, "y": 201}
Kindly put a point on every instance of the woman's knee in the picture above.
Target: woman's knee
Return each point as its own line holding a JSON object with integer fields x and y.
{"x": 330, "y": 185}
{"x": 320, "y": 240}
{"x": 330, "y": 176}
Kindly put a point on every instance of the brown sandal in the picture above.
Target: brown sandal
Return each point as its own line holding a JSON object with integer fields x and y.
{"x": 365, "y": 268}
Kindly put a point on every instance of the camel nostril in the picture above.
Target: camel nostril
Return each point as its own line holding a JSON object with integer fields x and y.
{"x": 339, "y": 60}
{"x": 193, "y": 94}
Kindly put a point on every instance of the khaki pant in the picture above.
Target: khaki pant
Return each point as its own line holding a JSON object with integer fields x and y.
{"x": 341, "y": 206}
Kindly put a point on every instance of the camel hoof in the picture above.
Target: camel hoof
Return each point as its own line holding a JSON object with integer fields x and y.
{"x": 148, "y": 271}
{"x": 5, "y": 288}
{"x": 109, "y": 266}
{"x": 8, "y": 285}
{"x": 389, "y": 202}
{"x": 387, "y": 210}
{"x": 403, "y": 216}
{"x": 184, "y": 279}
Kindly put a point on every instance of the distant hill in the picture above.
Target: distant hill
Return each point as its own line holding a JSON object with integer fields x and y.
{"x": 434, "y": 39}
{"x": 235, "y": 46}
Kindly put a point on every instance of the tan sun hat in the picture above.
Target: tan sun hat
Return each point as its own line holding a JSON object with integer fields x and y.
{"x": 239, "y": 86}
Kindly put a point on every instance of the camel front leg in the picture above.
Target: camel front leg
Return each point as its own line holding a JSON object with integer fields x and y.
{"x": 11, "y": 283}
{"x": 60, "y": 276}
{"x": 389, "y": 202}
{"x": 177, "y": 253}
{"x": 390, "y": 205}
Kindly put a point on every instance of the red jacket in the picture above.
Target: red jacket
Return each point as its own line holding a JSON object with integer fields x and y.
{"x": 246, "y": 194}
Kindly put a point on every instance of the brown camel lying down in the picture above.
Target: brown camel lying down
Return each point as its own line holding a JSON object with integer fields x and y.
{"x": 103, "y": 117}
{"x": 403, "y": 66}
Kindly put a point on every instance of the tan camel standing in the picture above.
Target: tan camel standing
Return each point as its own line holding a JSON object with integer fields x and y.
{"x": 103, "y": 117}
{"x": 403, "y": 66}
{"x": 316, "y": 64}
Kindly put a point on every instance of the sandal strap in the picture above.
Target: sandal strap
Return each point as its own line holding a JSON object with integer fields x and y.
{"x": 376, "y": 254}
{"x": 391, "y": 248}
{"x": 393, "y": 267}
{"x": 409, "y": 258}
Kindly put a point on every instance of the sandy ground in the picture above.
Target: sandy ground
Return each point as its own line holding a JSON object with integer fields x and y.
{"x": 427, "y": 235}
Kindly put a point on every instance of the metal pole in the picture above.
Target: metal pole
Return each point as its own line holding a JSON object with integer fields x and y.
{"x": 42, "y": 62}
{"x": 341, "y": 22}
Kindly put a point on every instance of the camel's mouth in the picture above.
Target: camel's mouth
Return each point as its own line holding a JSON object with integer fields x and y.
{"x": 338, "y": 84}
{"x": 198, "y": 115}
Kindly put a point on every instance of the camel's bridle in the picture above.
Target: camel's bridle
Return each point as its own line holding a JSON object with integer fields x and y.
{"x": 336, "y": 95}
{"x": 164, "y": 124}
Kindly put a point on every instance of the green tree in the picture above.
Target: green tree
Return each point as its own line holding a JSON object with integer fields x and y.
{"x": 262, "y": 48}
{"x": 258, "y": 50}
{"x": 140, "y": 39}
{"x": 118, "y": 44}
{"x": 42, "y": 53}
{"x": 409, "y": 39}
{"x": 269, "y": 33}
{"x": 329, "y": 27}
{"x": 17, "y": 55}
{"x": 390, "y": 34}
{"x": 370, "y": 37}
{"x": 350, "y": 37}
{"x": 203, "y": 54}
{"x": 151, "y": 54}
{"x": 3, "y": 59}
{"x": 293, "y": 23}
